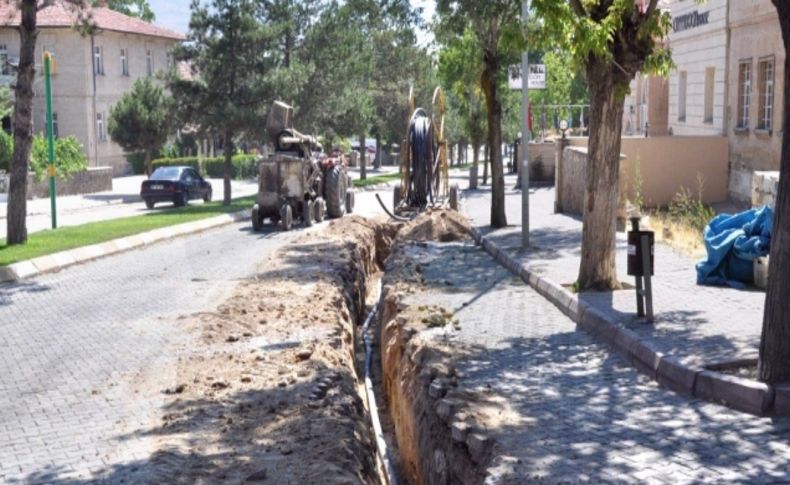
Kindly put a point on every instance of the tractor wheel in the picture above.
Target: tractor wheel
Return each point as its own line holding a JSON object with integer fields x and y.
{"x": 257, "y": 220}
{"x": 350, "y": 196}
{"x": 454, "y": 197}
{"x": 286, "y": 217}
{"x": 335, "y": 192}
{"x": 307, "y": 213}
{"x": 396, "y": 197}
{"x": 318, "y": 210}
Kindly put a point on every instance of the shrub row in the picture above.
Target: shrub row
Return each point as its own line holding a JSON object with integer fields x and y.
{"x": 244, "y": 166}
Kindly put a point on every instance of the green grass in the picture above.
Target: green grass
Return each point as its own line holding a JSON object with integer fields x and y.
{"x": 49, "y": 242}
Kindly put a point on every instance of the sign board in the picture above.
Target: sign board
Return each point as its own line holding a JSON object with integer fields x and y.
{"x": 537, "y": 77}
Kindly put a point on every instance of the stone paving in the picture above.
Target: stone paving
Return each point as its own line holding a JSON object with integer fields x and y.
{"x": 700, "y": 325}
{"x": 77, "y": 346}
{"x": 71, "y": 343}
{"x": 573, "y": 410}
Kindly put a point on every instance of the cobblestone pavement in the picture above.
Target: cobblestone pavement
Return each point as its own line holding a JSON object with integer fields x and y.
{"x": 699, "y": 325}
{"x": 569, "y": 409}
{"x": 76, "y": 346}
{"x": 123, "y": 201}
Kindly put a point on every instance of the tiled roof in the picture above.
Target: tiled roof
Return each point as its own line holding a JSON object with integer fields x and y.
{"x": 61, "y": 14}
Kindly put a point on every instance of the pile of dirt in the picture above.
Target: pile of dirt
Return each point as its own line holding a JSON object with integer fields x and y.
{"x": 272, "y": 394}
{"x": 441, "y": 225}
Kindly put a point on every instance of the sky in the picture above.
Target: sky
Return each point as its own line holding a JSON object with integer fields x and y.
{"x": 174, "y": 14}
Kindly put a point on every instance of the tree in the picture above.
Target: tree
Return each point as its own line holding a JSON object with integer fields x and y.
{"x": 141, "y": 120}
{"x": 459, "y": 71}
{"x": 16, "y": 232}
{"x": 133, "y": 8}
{"x": 774, "y": 362}
{"x": 228, "y": 50}
{"x": 498, "y": 33}
{"x": 611, "y": 40}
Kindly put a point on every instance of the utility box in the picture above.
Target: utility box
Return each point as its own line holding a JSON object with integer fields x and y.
{"x": 761, "y": 272}
{"x": 635, "y": 267}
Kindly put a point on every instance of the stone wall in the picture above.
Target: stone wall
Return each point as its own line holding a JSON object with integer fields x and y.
{"x": 574, "y": 168}
{"x": 95, "y": 179}
{"x": 542, "y": 161}
{"x": 765, "y": 186}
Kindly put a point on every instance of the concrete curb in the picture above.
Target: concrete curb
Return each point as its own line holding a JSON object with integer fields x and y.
{"x": 742, "y": 394}
{"x": 57, "y": 261}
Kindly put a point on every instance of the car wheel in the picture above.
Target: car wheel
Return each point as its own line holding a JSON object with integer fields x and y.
{"x": 318, "y": 210}
{"x": 286, "y": 217}
{"x": 257, "y": 220}
{"x": 307, "y": 213}
{"x": 335, "y": 192}
{"x": 207, "y": 197}
{"x": 149, "y": 203}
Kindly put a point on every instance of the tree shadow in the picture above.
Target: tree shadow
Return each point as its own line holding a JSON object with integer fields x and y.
{"x": 10, "y": 290}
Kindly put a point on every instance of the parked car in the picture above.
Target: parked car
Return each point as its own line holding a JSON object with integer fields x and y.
{"x": 178, "y": 185}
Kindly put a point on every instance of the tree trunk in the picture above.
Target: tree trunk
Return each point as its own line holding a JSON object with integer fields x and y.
{"x": 16, "y": 232}
{"x": 494, "y": 105}
{"x": 486, "y": 158}
{"x": 148, "y": 167}
{"x": 475, "y": 165}
{"x": 363, "y": 168}
{"x": 228, "y": 172}
{"x": 597, "y": 270}
{"x": 377, "y": 160}
{"x": 774, "y": 363}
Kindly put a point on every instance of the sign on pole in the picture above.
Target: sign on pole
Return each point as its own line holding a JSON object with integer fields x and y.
{"x": 536, "y": 78}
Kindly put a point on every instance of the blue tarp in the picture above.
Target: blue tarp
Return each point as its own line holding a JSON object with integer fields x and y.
{"x": 733, "y": 242}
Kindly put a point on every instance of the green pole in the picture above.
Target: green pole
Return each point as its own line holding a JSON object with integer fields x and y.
{"x": 50, "y": 139}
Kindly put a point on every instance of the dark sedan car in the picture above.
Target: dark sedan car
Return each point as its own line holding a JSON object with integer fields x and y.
{"x": 178, "y": 185}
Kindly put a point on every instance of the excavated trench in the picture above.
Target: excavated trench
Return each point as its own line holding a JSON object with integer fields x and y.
{"x": 427, "y": 439}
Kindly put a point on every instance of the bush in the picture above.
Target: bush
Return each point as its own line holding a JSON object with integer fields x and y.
{"x": 69, "y": 157}
{"x": 6, "y": 151}
{"x": 244, "y": 166}
{"x": 689, "y": 210}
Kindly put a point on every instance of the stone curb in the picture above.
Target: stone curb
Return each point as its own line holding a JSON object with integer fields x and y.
{"x": 57, "y": 261}
{"x": 742, "y": 394}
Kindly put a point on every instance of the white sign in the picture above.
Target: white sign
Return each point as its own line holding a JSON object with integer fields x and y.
{"x": 537, "y": 77}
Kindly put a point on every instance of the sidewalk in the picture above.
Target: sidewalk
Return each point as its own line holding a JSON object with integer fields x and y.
{"x": 557, "y": 405}
{"x": 698, "y": 325}
{"x": 123, "y": 201}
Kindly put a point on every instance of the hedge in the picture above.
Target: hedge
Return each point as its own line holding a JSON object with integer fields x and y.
{"x": 244, "y": 166}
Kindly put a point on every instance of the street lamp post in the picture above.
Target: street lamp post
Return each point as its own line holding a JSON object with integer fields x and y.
{"x": 523, "y": 153}
{"x": 50, "y": 139}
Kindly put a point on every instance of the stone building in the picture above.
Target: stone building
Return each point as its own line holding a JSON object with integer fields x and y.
{"x": 697, "y": 87}
{"x": 755, "y": 98}
{"x": 91, "y": 72}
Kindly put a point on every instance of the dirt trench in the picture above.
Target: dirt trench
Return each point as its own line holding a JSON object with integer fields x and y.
{"x": 272, "y": 391}
{"x": 438, "y": 439}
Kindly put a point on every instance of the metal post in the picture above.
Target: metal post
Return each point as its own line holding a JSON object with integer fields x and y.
{"x": 644, "y": 242}
{"x": 50, "y": 139}
{"x": 524, "y": 152}
{"x": 640, "y": 302}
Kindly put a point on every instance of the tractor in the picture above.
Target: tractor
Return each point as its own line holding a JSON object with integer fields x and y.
{"x": 293, "y": 182}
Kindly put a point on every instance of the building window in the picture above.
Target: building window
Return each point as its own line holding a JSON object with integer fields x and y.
{"x": 5, "y": 68}
{"x": 744, "y": 93}
{"x": 124, "y": 62}
{"x": 98, "y": 61}
{"x": 766, "y": 80}
{"x": 101, "y": 133}
{"x": 710, "y": 87}
{"x": 682, "y": 85}
{"x": 149, "y": 62}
